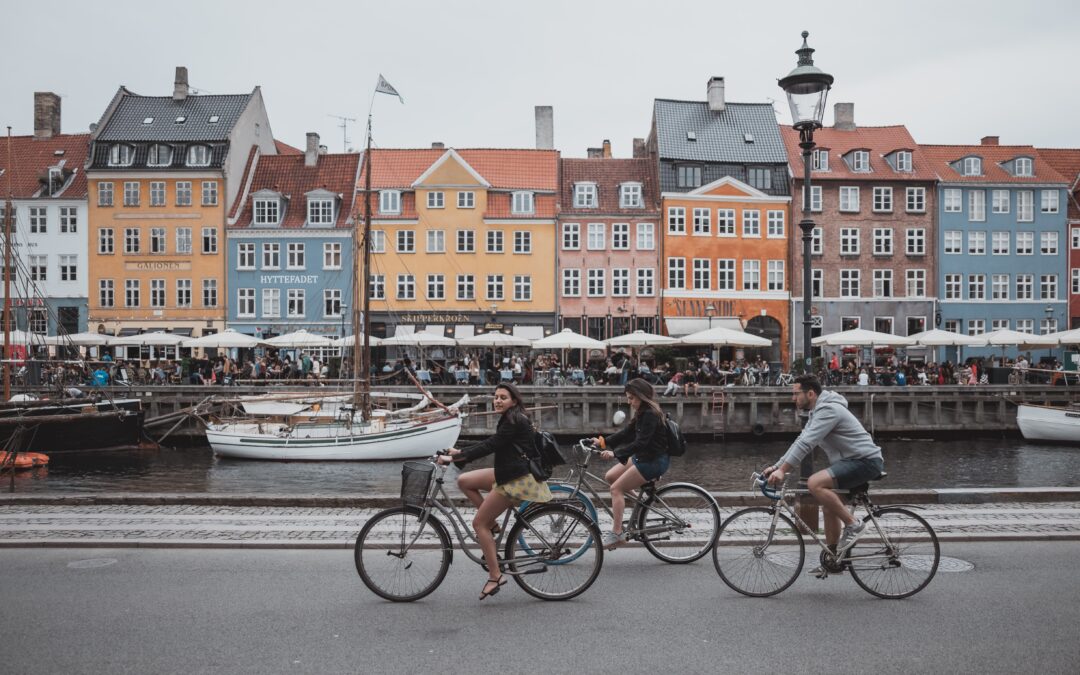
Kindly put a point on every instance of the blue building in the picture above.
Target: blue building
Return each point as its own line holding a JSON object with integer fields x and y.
{"x": 289, "y": 239}
{"x": 1002, "y": 244}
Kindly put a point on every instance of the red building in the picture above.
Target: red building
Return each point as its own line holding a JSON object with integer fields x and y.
{"x": 1067, "y": 163}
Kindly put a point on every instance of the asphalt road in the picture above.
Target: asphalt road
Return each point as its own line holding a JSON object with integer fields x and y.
{"x": 306, "y": 611}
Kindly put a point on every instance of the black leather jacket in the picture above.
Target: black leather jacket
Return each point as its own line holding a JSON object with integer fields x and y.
{"x": 645, "y": 436}
{"x": 513, "y": 431}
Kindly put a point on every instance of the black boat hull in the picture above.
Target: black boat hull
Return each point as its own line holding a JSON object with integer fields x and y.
{"x": 74, "y": 425}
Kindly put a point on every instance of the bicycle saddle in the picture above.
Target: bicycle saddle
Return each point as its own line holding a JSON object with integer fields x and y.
{"x": 862, "y": 489}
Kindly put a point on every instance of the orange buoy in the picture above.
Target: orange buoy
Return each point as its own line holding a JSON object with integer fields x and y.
{"x": 24, "y": 460}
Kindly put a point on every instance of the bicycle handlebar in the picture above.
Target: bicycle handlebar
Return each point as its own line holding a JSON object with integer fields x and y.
{"x": 760, "y": 482}
{"x": 587, "y": 445}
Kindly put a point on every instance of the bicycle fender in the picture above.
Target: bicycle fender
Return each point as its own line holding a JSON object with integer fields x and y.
{"x": 438, "y": 525}
{"x": 884, "y": 507}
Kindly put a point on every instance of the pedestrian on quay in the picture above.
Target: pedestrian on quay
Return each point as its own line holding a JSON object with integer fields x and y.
{"x": 642, "y": 451}
{"x": 508, "y": 484}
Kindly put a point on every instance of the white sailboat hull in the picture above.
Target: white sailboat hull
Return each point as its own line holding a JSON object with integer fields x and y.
{"x": 1039, "y": 423}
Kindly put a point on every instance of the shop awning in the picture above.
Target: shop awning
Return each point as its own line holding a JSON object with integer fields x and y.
{"x": 464, "y": 330}
{"x": 680, "y": 326}
{"x": 529, "y": 332}
{"x": 125, "y": 332}
{"x": 404, "y": 329}
{"x": 435, "y": 329}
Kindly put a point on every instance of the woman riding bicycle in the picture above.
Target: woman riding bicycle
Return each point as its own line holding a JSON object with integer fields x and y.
{"x": 643, "y": 455}
{"x": 509, "y": 483}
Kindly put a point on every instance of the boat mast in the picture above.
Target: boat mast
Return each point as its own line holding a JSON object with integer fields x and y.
{"x": 7, "y": 275}
{"x": 362, "y": 314}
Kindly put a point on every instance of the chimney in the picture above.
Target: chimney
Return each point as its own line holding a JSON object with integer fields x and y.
{"x": 438, "y": 145}
{"x": 46, "y": 114}
{"x": 715, "y": 93}
{"x": 990, "y": 140}
{"x": 607, "y": 149}
{"x": 545, "y": 127}
{"x": 844, "y": 116}
{"x": 311, "y": 153}
{"x": 180, "y": 86}
{"x": 323, "y": 149}
{"x": 639, "y": 149}
{"x": 594, "y": 153}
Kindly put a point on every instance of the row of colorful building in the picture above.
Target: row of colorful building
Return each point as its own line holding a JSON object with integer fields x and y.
{"x": 183, "y": 213}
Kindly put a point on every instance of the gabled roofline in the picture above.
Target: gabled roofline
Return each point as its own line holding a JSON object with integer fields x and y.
{"x": 728, "y": 180}
{"x": 442, "y": 160}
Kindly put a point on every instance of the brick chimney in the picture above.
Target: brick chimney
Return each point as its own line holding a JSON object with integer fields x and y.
{"x": 844, "y": 116}
{"x": 594, "y": 153}
{"x": 715, "y": 92}
{"x": 990, "y": 140}
{"x": 545, "y": 127}
{"x": 180, "y": 85}
{"x": 639, "y": 149}
{"x": 438, "y": 145}
{"x": 607, "y": 149}
{"x": 311, "y": 152}
{"x": 46, "y": 114}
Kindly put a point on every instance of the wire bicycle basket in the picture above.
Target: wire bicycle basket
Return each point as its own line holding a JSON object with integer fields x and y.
{"x": 415, "y": 482}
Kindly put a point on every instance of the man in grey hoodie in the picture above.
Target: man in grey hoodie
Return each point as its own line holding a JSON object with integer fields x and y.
{"x": 853, "y": 458}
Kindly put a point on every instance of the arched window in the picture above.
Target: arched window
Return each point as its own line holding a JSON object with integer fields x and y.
{"x": 198, "y": 155}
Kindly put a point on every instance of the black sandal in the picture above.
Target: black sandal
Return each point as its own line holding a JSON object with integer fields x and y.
{"x": 499, "y": 583}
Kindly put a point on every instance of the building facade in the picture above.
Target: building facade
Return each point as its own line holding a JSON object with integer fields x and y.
{"x": 1067, "y": 163}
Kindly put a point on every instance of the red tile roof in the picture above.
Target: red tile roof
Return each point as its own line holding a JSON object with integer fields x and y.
{"x": 288, "y": 175}
{"x": 879, "y": 141}
{"x": 286, "y": 149}
{"x": 609, "y": 174}
{"x": 31, "y": 158}
{"x": 1065, "y": 161}
{"x": 942, "y": 156}
{"x": 515, "y": 169}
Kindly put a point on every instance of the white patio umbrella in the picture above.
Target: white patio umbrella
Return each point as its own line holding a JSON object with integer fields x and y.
{"x": 859, "y": 337}
{"x": 226, "y": 339}
{"x": 567, "y": 339}
{"x": 945, "y": 338}
{"x": 720, "y": 336}
{"x": 21, "y": 337}
{"x": 350, "y": 340}
{"x": 1006, "y": 338}
{"x": 419, "y": 339}
{"x": 81, "y": 340}
{"x": 300, "y": 338}
{"x": 494, "y": 339}
{"x": 1066, "y": 337}
{"x": 156, "y": 339}
{"x": 640, "y": 338}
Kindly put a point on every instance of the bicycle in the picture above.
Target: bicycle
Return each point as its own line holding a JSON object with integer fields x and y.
{"x": 759, "y": 551}
{"x": 785, "y": 380}
{"x": 676, "y": 522}
{"x": 403, "y": 553}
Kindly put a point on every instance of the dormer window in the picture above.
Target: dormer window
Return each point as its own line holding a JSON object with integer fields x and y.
{"x": 821, "y": 160}
{"x": 972, "y": 166}
{"x": 267, "y": 211}
{"x": 903, "y": 161}
{"x": 198, "y": 155}
{"x": 320, "y": 211}
{"x": 213, "y": 119}
{"x": 522, "y": 203}
{"x": 860, "y": 160}
{"x": 584, "y": 195}
{"x": 1022, "y": 166}
{"x": 159, "y": 155}
{"x": 121, "y": 155}
{"x": 630, "y": 196}
{"x": 390, "y": 201}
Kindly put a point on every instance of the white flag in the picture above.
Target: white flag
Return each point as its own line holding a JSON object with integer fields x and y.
{"x": 384, "y": 87}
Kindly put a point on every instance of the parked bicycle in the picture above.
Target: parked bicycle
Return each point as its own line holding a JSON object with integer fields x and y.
{"x": 759, "y": 551}
{"x": 784, "y": 380}
{"x": 403, "y": 553}
{"x": 675, "y": 522}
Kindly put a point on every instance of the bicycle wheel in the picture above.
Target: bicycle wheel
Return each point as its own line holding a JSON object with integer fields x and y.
{"x": 563, "y": 494}
{"x": 754, "y": 561}
{"x": 555, "y": 563}
{"x": 895, "y": 558}
{"x": 678, "y": 525}
{"x": 401, "y": 558}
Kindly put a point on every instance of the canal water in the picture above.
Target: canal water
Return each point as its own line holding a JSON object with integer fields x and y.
{"x": 717, "y": 466}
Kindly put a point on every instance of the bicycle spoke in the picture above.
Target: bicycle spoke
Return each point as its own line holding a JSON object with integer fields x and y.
{"x": 896, "y": 556}
{"x": 679, "y": 524}
{"x": 401, "y": 557}
{"x": 754, "y": 562}
{"x": 562, "y": 536}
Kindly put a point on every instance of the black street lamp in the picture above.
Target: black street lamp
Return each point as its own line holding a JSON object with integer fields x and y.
{"x": 344, "y": 308}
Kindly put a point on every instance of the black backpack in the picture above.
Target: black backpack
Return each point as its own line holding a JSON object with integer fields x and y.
{"x": 550, "y": 453}
{"x": 676, "y": 440}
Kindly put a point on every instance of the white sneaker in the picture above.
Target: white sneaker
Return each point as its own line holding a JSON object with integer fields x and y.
{"x": 850, "y": 536}
{"x": 611, "y": 539}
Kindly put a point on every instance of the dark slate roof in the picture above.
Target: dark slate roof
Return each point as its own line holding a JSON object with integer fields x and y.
{"x": 720, "y": 135}
{"x": 126, "y": 123}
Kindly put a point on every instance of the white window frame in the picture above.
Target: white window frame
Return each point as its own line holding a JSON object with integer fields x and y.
{"x": 1025, "y": 206}
{"x": 296, "y": 256}
{"x": 850, "y": 241}
{"x": 1048, "y": 287}
{"x": 596, "y": 282}
{"x": 436, "y": 199}
{"x": 915, "y": 283}
{"x": 817, "y": 241}
{"x": 436, "y": 241}
{"x": 522, "y": 203}
{"x": 406, "y": 287}
{"x": 883, "y": 283}
{"x": 883, "y": 241}
{"x": 465, "y": 287}
{"x": 1025, "y": 286}
{"x": 1000, "y": 201}
{"x": 954, "y": 287}
{"x": 725, "y": 223}
{"x": 105, "y": 193}
{"x": 953, "y": 200}
{"x": 209, "y": 293}
{"x": 245, "y": 256}
{"x": 820, "y": 159}
{"x": 495, "y": 241}
{"x": 751, "y": 275}
{"x": 850, "y": 280}
{"x": 1000, "y": 242}
{"x": 199, "y": 155}
{"x": 701, "y": 274}
{"x": 915, "y": 241}
{"x": 183, "y": 241}
{"x": 972, "y": 166}
{"x": 1049, "y": 243}
{"x": 332, "y": 303}
{"x": 903, "y": 161}
{"x": 630, "y": 196}
{"x": 390, "y": 202}
{"x": 702, "y": 219}
{"x": 999, "y": 286}
{"x": 571, "y": 282}
{"x": 976, "y": 287}
{"x": 183, "y": 293}
{"x": 466, "y": 199}
{"x": 436, "y": 287}
{"x": 596, "y": 237}
{"x": 331, "y": 255}
{"x": 209, "y": 193}
{"x": 676, "y": 267}
{"x": 522, "y": 242}
{"x": 883, "y": 199}
{"x": 775, "y": 275}
{"x": 296, "y": 303}
{"x": 320, "y": 211}
{"x": 1049, "y": 201}
{"x": 646, "y": 236}
{"x": 494, "y": 288}
{"x": 646, "y": 282}
{"x": 676, "y": 220}
{"x": 976, "y": 242}
{"x": 915, "y": 200}
{"x": 1022, "y": 166}
{"x": 271, "y": 303}
{"x": 106, "y": 241}
{"x": 620, "y": 282}
{"x": 751, "y": 223}
{"x": 466, "y": 241}
{"x": 860, "y": 161}
{"x": 157, "y": 193}
{"x": 1025, "y": 243}
{"x": 571, "y": 236}
{"x": 726, "y": 274}
{"x": 406, "y": 241}
{"x": 585, "y": 195}
{"x": 267, "y": 211}
{"x": 522, "y": 288}
{"x": 776, "y": 224}
{"x": 849, "y": 198}
{"x": 271, "y": 256}
{"x": 377, "y": 286}
{"x": 976, "y": 206}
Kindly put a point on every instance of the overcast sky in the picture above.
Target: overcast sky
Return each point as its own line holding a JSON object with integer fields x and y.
{"x": 471, "y": 72}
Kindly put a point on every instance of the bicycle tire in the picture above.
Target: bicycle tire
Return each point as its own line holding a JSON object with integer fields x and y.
{"x": 388, "y": 569}
{"x": 579, "y": 501}
{"x": 688, "y": 504}
{"x": 747, "y": 569}
{"x": 905, "y": 554}
{"x": 554, "y": 534}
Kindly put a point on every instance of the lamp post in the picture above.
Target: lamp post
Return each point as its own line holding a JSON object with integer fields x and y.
{"x": 1049, "y": 315}
{"x": 344, "y": 308}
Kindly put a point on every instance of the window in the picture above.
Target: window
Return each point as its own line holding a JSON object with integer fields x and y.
{"x": 183, "y": 292}
{"x": 953, "y": 285}
{"x": 883, "y": 283}
{"x": 977, "y": 205}
{"x": 725, "y": 222}
{"x": 1075, "y": 285}
{"x": 295, "y": 303}
{"x": 210, "y": 240}
{"x": 406, "y": 241}
{"x": 676, "y": 272}
{"x": 522, "y": 288}
{"x": 850, "y": 322}
{"x": 1000, "y": 199}
{"x": 1025, "y": 326}
{"x": 571, "y": 283}
{"x": 267, "y": 211}
{"x": 523, "y": 241}
{"x": 1025, "y": 287}
{"x": 271, "y": 302}
{"x": 389, "y": 201}
{"x": 620, "y": 282}
{"x": 849, "y": 241}
{"x": 817, "y": 283}
{"x": 976, "y": 326}
{"x": 105, "y": 241}
{"x": 522, "y": 203}
{"x": 331, "y": 256}
{"x": 37, "y": 320}
{"x": 494, "y": 287}
{"x": 157, "y": 193}
{"x": 676, "y": 220}
{"x": 1023, "y": 166}
{"x": 620, "y": 236}
{"x": 436, "y": 287}
{"x": 131, "y": 240}
{"x": 760, "y": 178}
{"x": 916, "y": 200}
{"x": 953, "y": 200}
{"x": 645, "y": 282}
{"x": 245, "y": 302}
{"x": 245, "y": 256}
{"x": 296, "y": 256}
{"x": 494, "y": 241}
{"x": 157, "y": 293}
{"x": 597, "y": 281}
{"x": 903, "y": 161}
{"x": 751, "y": 275}
{"x": 630, "y": 196}
{"x": 271, "y": 256}
{"x": 571, "y": 236}
{"x": 1025, "y": 243}
{"x": 466, "y": 287}
{"x": 584, "y": 195}
{"x": 688, "y": 176}
{"x": 38, "y": 268}
{"x": 183, "y": 240}
{"x": 596, "y": 237}
{"x": 751, "y": 223}
{"x": 999, "y": 287}
{"x": 646, "y": 236}
{"x": 702, "y": 274}
{"x": 1047, "y": 326}
{"x": 319, "y": 211}
{"x": 378, "y": 241}
{"x": 436, "y": 241}
{"x": 209, "y": 293}
{"x": 999, "y": 242}
{"x": 860, "y": 160}
{"x": 816, "y": 243}
{"x": 157, "y": 240}
{"x": 131, "y": 193}
{"x": 849, "y": 199}
{"x": 377, "y": 286}
{"x": 915, "y": 283}
{"x": 105, "y": 194}
{"x": 183, "y": 193}
{"x": 436, "y": 200}
{"x": 1076, "y": 238}
{"x": 725, "y": 274}
{"x": 976, "y": 243}
{"x": 954, "y": 241}
{"x": 1049, "y": 201}
{"x": 131, "y": 292}
{"x": 466, "y": 241}
{"x": 883, "y": 324}
{"x": 209, "y": 193}
{"x": 821, "y": 160}
{"x": 775, "y": 275}
{"x": 1025, "y": 201}
{"x": 198, "y": 155}
{"x": 883, "y": 241}
{"x": 849, "y": 284}
{"x": 976, "y": 286}
{"x": 702, "y": 222}
{"x": 882, "y": 199}
{"x": 916, "y": 241}
{"x": 952, "y": 325}
{"x": 406, "y": 287}
{"x": 775, "y": 224}
{"x": 972, "y": 166}
{"x": 1048, "y": 286}
{"x": 815, "y": 198}
{"x": 121, "y": 155}
{"x": 999, "y": 324}
{"x": 105, "y": 293}
{"x": 466, "y": 200}
{"x": 1048, "y": 243}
